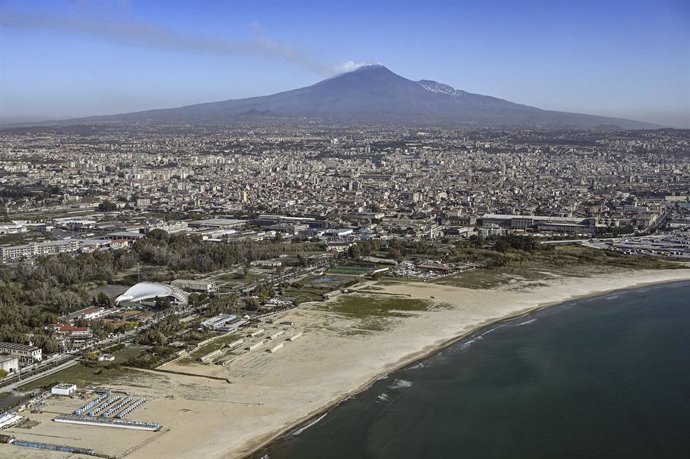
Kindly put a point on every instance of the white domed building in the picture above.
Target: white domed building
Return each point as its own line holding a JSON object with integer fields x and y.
{"x": 150, "y": 290}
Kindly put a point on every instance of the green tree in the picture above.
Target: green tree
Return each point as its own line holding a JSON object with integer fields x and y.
{"x": 103, "y": 300}
{"x": 163, "y": 304}
{"x": 107, "y": 206}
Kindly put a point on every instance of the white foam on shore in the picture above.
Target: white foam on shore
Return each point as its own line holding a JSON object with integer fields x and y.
{"x": 526, "y": 322}
{"x": 491, "y": 330}
{"x": 467, "y": 344}
{"x": 401, "y": 384}
{"x": 302, "y": 429}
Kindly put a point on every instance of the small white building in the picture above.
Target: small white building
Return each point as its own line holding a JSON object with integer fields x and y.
{"x": 64, "y": 389}
{"x": 9, "y": 363}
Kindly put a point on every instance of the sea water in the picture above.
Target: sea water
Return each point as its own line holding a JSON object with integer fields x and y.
{"x": 607, "y": 377}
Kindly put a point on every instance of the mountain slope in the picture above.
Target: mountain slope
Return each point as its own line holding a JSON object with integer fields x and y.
{"x": 374, "y": 93}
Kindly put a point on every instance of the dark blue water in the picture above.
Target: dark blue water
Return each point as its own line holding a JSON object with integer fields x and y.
{"x": 601, "y": 378}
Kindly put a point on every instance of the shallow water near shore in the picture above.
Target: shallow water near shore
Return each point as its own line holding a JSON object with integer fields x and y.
{"x": 605, "y": 377}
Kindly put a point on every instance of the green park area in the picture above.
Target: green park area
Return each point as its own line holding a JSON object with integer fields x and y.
{"x": 81, "y": 375}
{"x": 349, "y": 270}
{"x": 370, "y": 313}
{"x": 545, "y": 263}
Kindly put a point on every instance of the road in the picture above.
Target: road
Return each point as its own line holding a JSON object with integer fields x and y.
{"x": 72, "y": 358}
{"x": 11, "y": 384}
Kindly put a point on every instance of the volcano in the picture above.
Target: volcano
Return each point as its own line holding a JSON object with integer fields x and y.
{"x": 373, "y": 93}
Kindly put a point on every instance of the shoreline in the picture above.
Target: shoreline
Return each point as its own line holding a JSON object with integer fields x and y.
{"x": 254, "y": 451}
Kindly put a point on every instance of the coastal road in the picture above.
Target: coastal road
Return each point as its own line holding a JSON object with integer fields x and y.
{"x": 16, "y": 382}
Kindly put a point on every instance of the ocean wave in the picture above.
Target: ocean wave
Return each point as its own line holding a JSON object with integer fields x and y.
{"x": 383, "y": 397}
{"x": 417, "y": 366}
{"x": 400, "y": 384}
{"x": 526, "y": 322}
{"x": 302, "y": 429}
{"x": 491, "y": 330}
{"x": 467, "y": 344}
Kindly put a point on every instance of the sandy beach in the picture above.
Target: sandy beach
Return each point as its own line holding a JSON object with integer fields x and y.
{"x": 272, "y": 393}
{"x": 269, "y": 394}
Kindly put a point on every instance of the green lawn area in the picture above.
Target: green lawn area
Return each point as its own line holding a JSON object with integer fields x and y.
{"x": 349, "y": 270}
{"x": 304, "y": 296}
{"x": 236, "y": 278}
{"x": 150, "y": 273}
{"x": 564, "y": 256}
{"x": 8, "y": 400}
{"x": 127, "y": 353}
{"x": 310, "y": 290}
{"x": 79, "y": 375}
{"x": 374, "y": 313}
{"x": 365, "y": 306}
{"x": 313, "y": 287}
{"x": 481, "y": 278}
{"x": 541, "y": 265}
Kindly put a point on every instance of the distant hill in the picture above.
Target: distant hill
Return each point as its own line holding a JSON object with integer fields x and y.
{"x": 374, "y": 93}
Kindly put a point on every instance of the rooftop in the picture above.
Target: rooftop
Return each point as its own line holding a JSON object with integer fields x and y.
{"x": 149, "y": 290}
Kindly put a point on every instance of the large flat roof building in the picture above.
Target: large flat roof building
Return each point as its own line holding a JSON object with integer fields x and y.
{"x": 200, "y": 285}
{"x": 35, "y": 249}
{"x": 25, "y": 353}
{"x": 574, "y": 225}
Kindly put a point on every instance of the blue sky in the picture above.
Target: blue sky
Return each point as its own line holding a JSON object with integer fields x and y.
{"x": 73, "y": 58}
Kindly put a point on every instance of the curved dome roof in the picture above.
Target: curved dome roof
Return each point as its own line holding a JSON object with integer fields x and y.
{"x": 148, "y": 290}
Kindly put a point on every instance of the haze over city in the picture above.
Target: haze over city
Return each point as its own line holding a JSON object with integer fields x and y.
{"x": 64, "y": 59}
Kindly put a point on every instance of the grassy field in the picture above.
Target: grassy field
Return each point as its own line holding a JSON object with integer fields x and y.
{"x": 304, "y": 295}
{"x": 83, "y": 375}
{"x": 127, "y": 353}
{"x": 538, "y": 266}
{"x": 313, "y": 287}
{"x": 80, "y": 375}
{"x": 150, "y": 273}
{"x": 364, "y": 306}
{"x": 349, "y": 270}
{"x": 112, "y": 290}
{"x": 8, "y": 400}
{"x": 374, "y": 313}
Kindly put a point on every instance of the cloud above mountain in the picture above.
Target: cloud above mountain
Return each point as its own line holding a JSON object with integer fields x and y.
{"x": 138, "y": 33}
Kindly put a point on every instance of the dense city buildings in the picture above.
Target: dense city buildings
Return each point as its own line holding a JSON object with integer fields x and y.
{"x": 115, "y": 183}
{"x": 242, "y": 254}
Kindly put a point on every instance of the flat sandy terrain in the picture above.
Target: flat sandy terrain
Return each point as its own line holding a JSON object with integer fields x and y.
{"x": 269, "y": 393}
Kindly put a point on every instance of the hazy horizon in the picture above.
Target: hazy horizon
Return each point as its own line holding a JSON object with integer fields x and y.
{"x": 70, "y": 59}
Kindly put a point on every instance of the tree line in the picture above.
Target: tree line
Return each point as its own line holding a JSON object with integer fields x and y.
{"x": 33, "y": 296}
